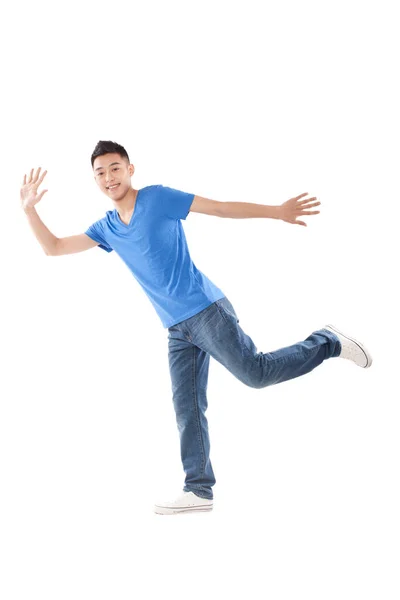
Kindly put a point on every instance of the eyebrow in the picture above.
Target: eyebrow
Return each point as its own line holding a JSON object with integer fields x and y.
{"x": 114, "y": 163}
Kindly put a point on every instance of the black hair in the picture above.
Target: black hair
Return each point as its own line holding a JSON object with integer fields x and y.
{"x": 106, "y": 147}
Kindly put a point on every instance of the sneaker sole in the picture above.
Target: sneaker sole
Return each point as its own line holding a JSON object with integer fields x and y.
{"x": 364, "y": 350}
{"x": 163, "y": 510}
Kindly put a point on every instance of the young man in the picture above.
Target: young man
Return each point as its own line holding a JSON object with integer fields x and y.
{"x": 145, "y": 230}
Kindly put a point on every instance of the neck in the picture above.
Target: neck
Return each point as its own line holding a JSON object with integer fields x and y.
{"x": 126, "y": 205}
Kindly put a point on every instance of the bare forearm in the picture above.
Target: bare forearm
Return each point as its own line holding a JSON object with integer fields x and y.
{"x": 46, "y": 239}
{"x": 248, "y": 210}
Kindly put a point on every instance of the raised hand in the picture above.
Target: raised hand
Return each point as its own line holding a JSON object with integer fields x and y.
{"x": 294, "y": 208}
{"x": 29, "y": 195}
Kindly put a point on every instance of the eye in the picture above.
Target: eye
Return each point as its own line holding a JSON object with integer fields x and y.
{"x": 115, "y": 168}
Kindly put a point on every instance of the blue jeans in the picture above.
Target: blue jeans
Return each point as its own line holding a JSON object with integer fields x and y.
{"x": 215, "y": 331}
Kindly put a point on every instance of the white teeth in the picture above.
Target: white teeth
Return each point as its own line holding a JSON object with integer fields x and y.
{"x": 113, "y": 186}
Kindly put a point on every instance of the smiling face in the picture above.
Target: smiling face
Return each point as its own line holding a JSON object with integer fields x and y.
{"x": 113, "y": 175}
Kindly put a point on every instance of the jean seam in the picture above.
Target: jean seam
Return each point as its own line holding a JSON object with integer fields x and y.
{"x": 222, "y": 312}
{"x": 198, "y": 424}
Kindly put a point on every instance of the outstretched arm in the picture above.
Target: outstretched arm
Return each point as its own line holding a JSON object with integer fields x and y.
{"x": 52, "y": 245}
{"x": 289, "y": 211}
{"x": 29, "y": 198}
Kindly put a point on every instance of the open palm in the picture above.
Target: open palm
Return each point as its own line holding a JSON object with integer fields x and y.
{"x": 29, "y": 193}
{"x": 294, "y": 208}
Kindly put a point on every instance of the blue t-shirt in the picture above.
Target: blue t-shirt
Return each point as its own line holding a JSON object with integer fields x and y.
{"x": 154, "y": 248}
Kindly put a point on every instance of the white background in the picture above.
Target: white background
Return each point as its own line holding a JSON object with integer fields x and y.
{"x": 252, "y": 102}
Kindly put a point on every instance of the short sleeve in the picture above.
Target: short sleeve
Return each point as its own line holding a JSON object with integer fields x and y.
{"x": 176, "y": 204}
{"x": 96, "y": 232}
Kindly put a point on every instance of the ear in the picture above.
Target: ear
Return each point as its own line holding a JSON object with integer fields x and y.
{"x": 131, "y": 170}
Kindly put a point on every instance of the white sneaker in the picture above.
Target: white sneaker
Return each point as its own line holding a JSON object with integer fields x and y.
{"x": 351, "y": 349}
{"x": 186, "y": 502}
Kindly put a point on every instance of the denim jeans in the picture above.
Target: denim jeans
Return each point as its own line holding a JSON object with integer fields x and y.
{"x": 215, "y": 331}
